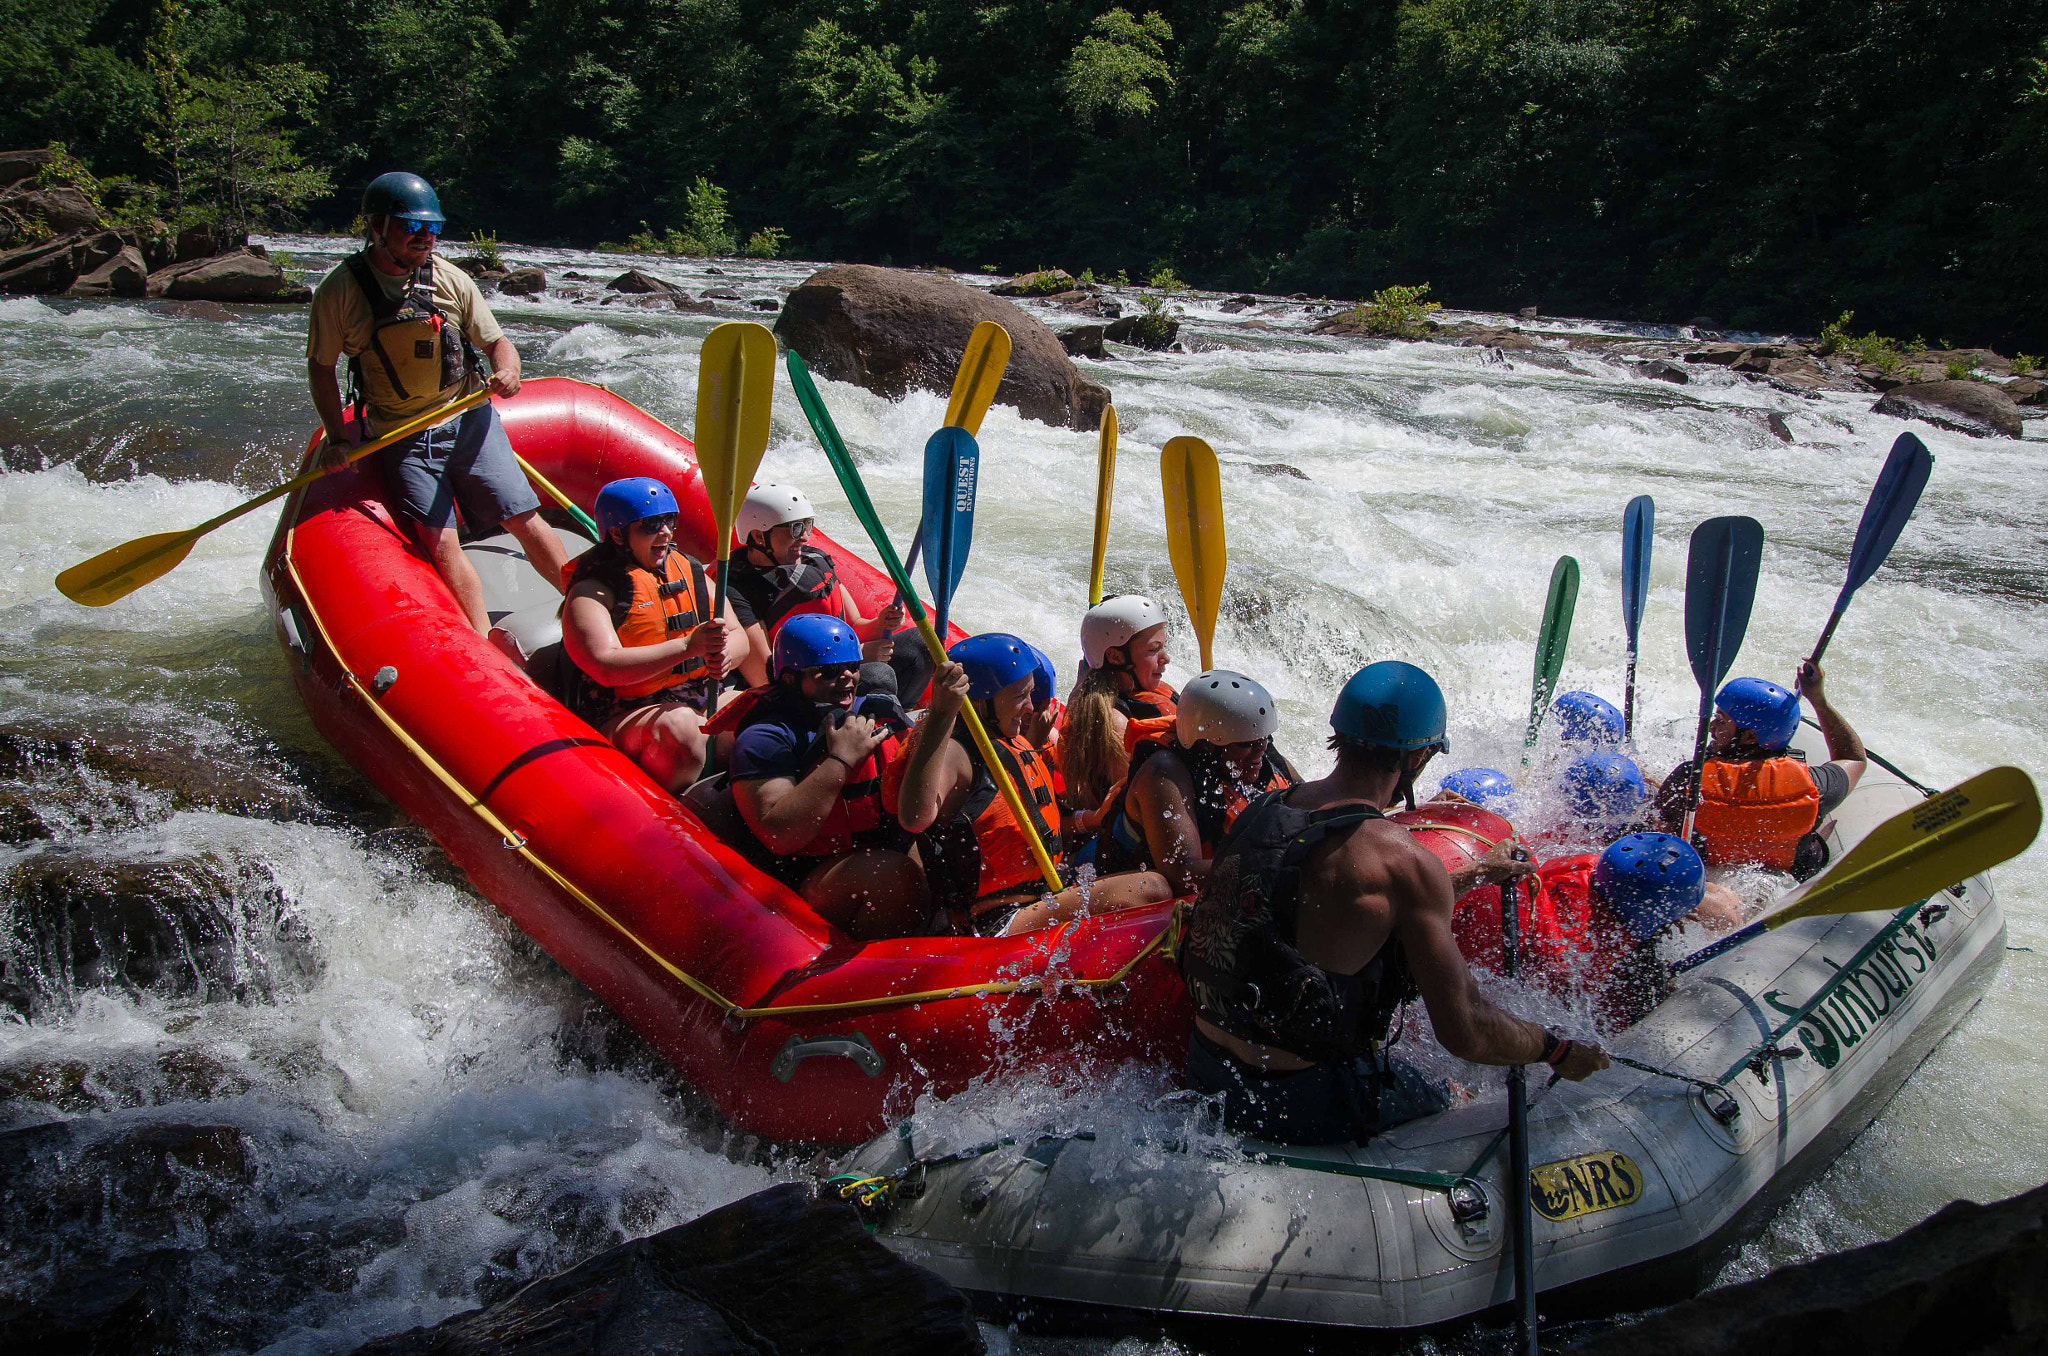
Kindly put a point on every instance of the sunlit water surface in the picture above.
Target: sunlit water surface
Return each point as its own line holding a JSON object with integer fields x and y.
{"x": 433, "y": 1111}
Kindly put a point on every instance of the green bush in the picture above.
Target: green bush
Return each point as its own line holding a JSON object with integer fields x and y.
{"x": 766, "y": 243}
{"x": 485, "y": 243}
{"x": 1396, "y": 313}
{"x": 1958, "y": 370}
{"x": 2023, "y": 363}
{"x": 1166, "y": 280}
{"x": 1885, "y": 354}
{"x": 1153, "y": 326}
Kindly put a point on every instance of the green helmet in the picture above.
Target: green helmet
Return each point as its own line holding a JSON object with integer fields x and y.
{"x": 404, "y": 195}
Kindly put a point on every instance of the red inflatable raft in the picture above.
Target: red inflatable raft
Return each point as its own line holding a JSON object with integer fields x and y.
{"x": 792, "y": 1028}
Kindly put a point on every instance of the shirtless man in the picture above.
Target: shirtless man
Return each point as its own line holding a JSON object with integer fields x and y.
{"x": 1320, "y": 919}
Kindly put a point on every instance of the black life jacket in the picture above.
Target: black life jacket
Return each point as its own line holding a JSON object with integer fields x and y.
{"x": 1239, "y": 957}
{"x": 419, "y": 350}
{"x": 809, "y": 585}
{"x": 1220, "y": 798}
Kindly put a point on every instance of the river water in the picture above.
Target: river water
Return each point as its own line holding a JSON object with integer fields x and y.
{"x": 213, "y": 921}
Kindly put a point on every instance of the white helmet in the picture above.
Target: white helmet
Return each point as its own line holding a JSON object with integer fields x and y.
{"x": 1112, "y": 622}
{"x": 1224, "y": 708}
{"x": 770, "y": 505}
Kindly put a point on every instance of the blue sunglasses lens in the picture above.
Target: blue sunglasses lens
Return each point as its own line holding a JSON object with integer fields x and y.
{"x": 415, "y": 227}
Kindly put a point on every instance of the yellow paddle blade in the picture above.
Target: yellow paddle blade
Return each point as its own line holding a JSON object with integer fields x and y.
{"x": 1947, "y": 838}
{"x": 119, "y": 572}
{"x": 735, "y": 387}
{"x": 1194, "y": 531}
{"x": 981, "y": 371}
{"x": 1105, "y": 487}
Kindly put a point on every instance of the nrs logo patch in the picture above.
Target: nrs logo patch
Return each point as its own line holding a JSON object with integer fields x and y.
{"x": 1578, "y": 1186}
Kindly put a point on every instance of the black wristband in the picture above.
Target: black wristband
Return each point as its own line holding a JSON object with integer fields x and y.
{"x": 1555, "y": 1046}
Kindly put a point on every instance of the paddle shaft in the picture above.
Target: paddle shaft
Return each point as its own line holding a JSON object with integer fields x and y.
{"x": 1526, "y": 1332}
{"x": 184, "y": 540}
{"x": 1628, "y": 696}
{"x": 1699, "y": 764}
{"x": 1821, "y": 647}
{"x": 567, "y": 504}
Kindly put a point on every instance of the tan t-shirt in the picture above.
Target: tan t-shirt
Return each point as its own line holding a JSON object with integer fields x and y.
{"x": 341, "y": 321}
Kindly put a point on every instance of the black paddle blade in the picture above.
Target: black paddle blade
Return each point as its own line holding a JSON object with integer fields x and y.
{"x": 1638, "y": 536}
{"x": 1891, "y": 503}
{"x": 1720, "y": 587}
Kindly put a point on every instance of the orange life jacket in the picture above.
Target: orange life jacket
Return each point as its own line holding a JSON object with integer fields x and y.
{"x": 1148, "y": 716}
{"x": 857, "y": 818}
{"x": 648, "y": 609}
{"x": 981, "y": 850}
{"x": 1754, "y": 812}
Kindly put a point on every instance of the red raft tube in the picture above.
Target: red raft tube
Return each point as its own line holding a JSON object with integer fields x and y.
{"x": 790, "y": 1027}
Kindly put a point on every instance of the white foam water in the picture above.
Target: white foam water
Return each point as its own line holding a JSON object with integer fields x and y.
{"x": 443, "y": 1112}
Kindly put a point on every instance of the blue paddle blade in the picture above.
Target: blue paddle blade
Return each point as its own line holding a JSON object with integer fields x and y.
{"x": 1638, "y": 535}
{"x": 1891, "y": 503}
{"x": 952, "y": 464}
{"x": 1720, "y": 588}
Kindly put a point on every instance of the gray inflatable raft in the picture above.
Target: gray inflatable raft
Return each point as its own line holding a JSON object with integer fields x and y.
{"x": 1638, "y": 1179}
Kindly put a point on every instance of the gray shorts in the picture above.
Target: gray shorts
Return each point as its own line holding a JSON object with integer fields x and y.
{"x": 468, "y": 462}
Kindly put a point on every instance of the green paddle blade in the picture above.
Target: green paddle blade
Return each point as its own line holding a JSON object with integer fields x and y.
{"x": 820, "y": 419}
{"x": 1551, "y": 639}
{"x": 1969, "y": 828}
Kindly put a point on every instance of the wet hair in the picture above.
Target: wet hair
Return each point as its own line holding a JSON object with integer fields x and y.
{"x": 1091, "y": 754}
{"x": 1357, "y": 756}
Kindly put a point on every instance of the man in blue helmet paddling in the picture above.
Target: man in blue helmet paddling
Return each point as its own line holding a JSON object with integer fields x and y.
{"x": 416, "y": 335}
{"x": 1760, "y": 804}
{"x": 1320, "y": 919}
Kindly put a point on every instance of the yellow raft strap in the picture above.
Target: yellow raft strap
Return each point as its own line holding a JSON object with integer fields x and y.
{"x": 517, "y": 842}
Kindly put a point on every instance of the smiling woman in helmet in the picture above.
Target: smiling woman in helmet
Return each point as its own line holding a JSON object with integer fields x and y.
{"x": 1188, "y": 786}
{"x": 976, "y": 856}
{"x": 413, "y": 332}
{"x": 637, "y": 623}
{"x": 778, "y": 574}
{"x": 1123, "y": 679}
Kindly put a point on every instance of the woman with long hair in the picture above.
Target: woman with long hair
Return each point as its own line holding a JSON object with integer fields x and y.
{"x": 1123, "y": 680}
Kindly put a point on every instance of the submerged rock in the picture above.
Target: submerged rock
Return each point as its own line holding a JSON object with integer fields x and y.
{"x": 776, "y": 1272}
{"x": 1973, "y": 407}
{"x": 1084, "y": 341}
{"x": 894, "y": 330}
{"x": 1966, "y": 1281}
{"x": 1657, "y": 369}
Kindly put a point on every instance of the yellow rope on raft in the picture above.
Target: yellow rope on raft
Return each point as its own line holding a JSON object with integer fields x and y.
{"x": 517, "y": 842}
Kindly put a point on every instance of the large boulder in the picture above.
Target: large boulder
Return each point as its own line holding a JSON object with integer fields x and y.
{"x": 775, "y": 1272}
{"x": 892, "y": 330}
{"x": 524, "y": 282}
{"x": 1968, "y": 1281}
{"x": 1973, "y": 407}
{"x": 46, "y": 266}
{"x": 203, "y": 242}
{"x": 240, "y": 276}
{"x": 18, "y": 165}
{"x": 637, "y": 281}
{"x": 59, "y": 207}
{"x": 124, "y": 275}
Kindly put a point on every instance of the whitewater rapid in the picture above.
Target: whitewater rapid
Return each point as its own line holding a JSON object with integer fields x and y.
{"x": 433, "y": 1111}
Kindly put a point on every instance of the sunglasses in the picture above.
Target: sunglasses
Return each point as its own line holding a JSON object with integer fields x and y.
{"x": 801, "y": 528}
{"x": 411, "y": 227}
{"x": 660, "y": 522}
{"x": 828, "y": 672}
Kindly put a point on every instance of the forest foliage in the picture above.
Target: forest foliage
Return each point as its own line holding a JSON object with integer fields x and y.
{"x": 1765, "y": 162}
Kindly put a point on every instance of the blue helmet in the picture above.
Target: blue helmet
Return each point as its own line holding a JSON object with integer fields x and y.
{"x": 1393, "y": 705}
{"x": 1763, "y": 708}
{"x": 994, "y": 661}
{"x": 1585, "y": 718}
{"x": 1604, "y": 785}
{"x": 1650, "y": 880}
{"x": 1041, "y": 691}
{"x": 403, "y": 195}
{"x": 811, "y": 639}
{"x": 624, "y": 502}
{"x": 1480, "y": 785}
